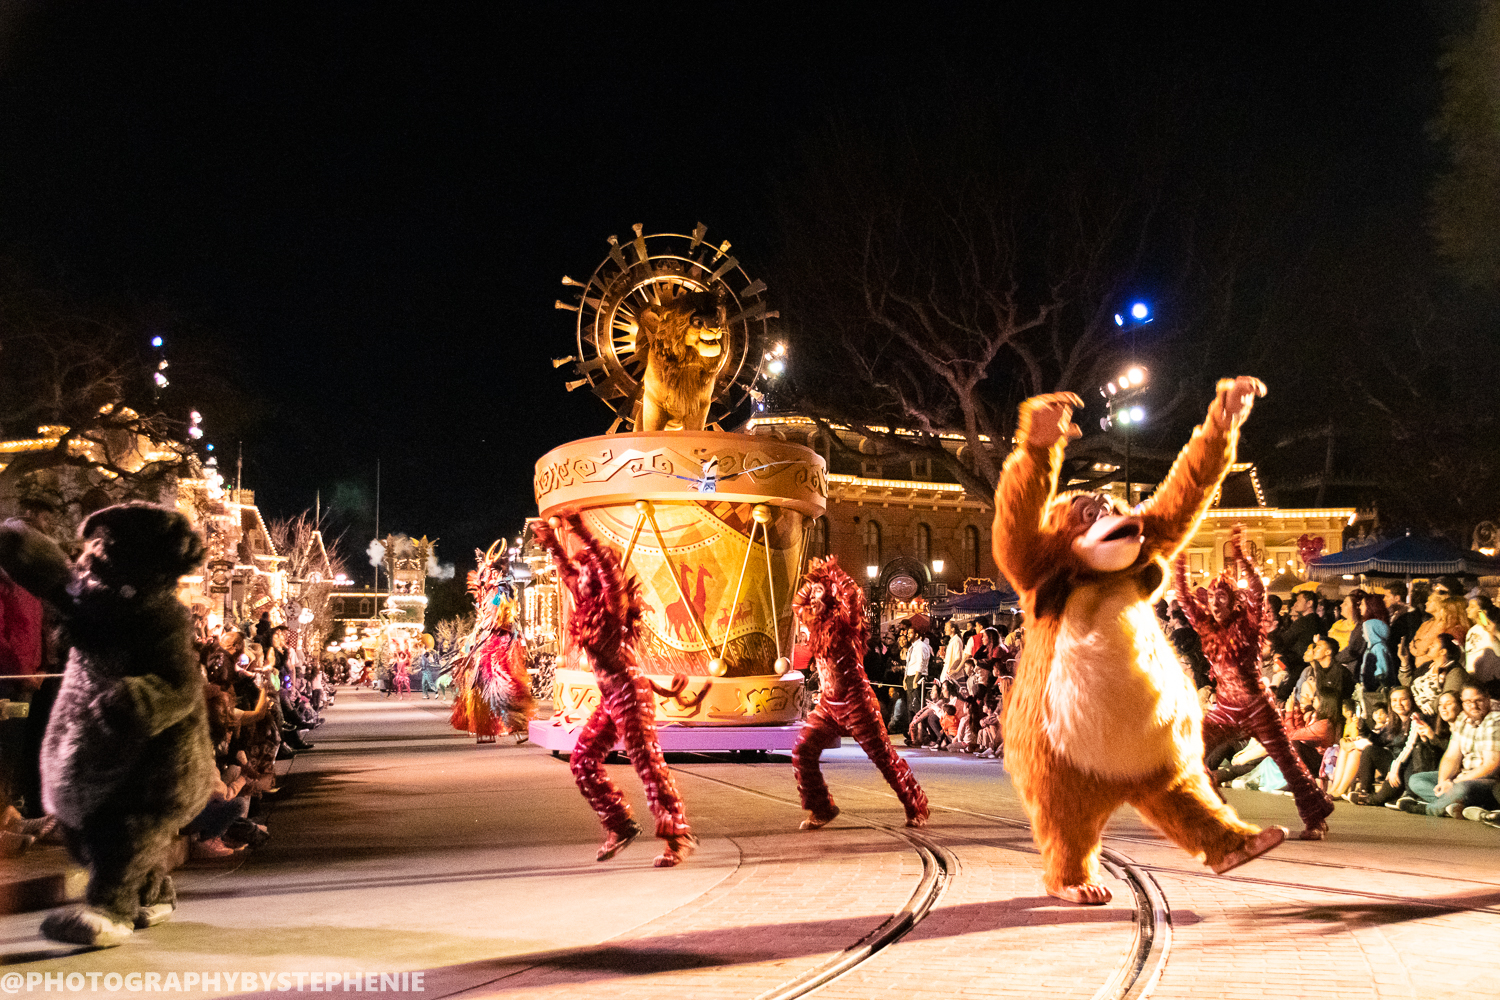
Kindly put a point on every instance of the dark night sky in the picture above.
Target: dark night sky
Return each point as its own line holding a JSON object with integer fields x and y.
{"x": 371, "y": 208}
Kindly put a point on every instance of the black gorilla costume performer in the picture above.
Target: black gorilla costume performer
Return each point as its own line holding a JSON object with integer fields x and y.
{"x": 126, "y": 761}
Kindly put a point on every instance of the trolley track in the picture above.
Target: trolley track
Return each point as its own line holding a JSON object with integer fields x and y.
{"x": 1133, "y": 978}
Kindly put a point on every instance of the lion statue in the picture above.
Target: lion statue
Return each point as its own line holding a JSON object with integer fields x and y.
{"x": 684, "y": 340}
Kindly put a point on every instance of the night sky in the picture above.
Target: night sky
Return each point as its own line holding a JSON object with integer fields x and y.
{"x": 365, "y": 212}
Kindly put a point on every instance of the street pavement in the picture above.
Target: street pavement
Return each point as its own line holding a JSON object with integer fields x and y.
{"x": 401, "y": 847}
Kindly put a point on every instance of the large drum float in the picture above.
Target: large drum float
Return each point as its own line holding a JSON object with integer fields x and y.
{"x": 714, "y": 525}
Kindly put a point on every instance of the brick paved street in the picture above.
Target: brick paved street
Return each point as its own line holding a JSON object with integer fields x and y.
{"x": 403, "y": 847}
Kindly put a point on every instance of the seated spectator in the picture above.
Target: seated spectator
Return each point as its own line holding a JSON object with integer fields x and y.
{"x": 1315, "y": 720}
{"x": 1425, "y": 745}
{"x": 1466, "y": 775}
{"x": 1383, "y": 742}
{"x": 927, "y": 725}
{"x": 1352, "y": 750}
{"x": 1482, "y": 645}
{"x": 990, "y": 738}
{"x": 950, "y": 727}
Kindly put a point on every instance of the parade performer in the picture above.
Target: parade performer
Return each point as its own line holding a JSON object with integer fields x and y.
{"x": 832, "y": 607}
{"x": 127, "y": 760}
{"x": 492, "y": 687}
{"x": 1101, "y": 713}
{"x": 605, "y": 622}
{"x": 1232, "y": 624}
{"x": 402, "y": 666}
{"x": 429, "y": 666}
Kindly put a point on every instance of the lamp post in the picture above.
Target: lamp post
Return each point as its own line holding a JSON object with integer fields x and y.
{"x": 1122, "y": 395}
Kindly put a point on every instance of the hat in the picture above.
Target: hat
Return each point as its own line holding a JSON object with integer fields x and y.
{"x": 1310, "y": 587}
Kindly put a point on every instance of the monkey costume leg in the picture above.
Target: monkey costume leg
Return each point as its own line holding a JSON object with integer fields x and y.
{"x": 1193, "y": 817}
{"x": 634, "y": 712}
{"x": 861, "y": 719}
{"x": 587, "y": 764}
{"x": 820, "y": 731}
{"x": 1313, "y": 805}
{"x": 1068, "y": 811}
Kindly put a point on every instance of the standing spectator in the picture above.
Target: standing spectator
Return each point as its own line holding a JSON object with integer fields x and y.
{"x": 1466, "y": 774}
{"x": 1345, "y": 631}
{"x": 953, "y": 654}
{"x": 915, "y": 680}
{"x": 1449, "y": 617}
{"x": 1405, "y": 617}
{"x": 1302, "y": 628}
{"x": 1376, "y": 669}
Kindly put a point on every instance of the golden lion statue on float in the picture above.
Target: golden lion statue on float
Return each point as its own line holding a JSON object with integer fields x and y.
{"x": 684, "y": 342}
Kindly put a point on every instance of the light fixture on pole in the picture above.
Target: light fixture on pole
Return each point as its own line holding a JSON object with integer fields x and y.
{"x": 1123, "y": 409}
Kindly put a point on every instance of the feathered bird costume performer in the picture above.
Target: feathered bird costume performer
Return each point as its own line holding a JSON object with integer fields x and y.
{"x": 605, "y": 622}
{"x": 1232, "y": 624}
{"x": 491, "y": 686}
{"x": 832, "y": 606}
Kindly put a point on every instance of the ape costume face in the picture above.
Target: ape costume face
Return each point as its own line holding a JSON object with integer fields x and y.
{"x": 832, "y": 606}
{"x": 605, "y": 623}
{"x": 1101, "y": 713}
{"x": 126, "y": 760}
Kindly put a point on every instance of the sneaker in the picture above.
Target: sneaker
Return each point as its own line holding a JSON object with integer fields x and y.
{"x": 12, "y": 844}
{"x": 1409, "y": 804}
{"x": 211, "y": 850}
{"x": 1491, "y": 818}
{"x": 1394, "y": 805}
{"x": 1474, "y": 814}
{"x": 1454, "y": 811}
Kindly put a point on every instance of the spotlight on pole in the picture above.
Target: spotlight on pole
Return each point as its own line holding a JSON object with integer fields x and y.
{"x": 1140, "y": 312}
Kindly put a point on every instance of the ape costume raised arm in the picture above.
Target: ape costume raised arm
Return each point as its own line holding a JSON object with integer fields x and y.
{"x": 832, "y": 606}
{"x": 605, "y": 622}
{"x": 1232, "y": 624}
{"x": 1101, "y": 713}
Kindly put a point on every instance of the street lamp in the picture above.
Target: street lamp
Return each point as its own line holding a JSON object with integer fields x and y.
{"x": 1121, "y": 400}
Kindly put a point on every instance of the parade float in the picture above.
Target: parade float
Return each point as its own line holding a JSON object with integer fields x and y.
{"x": 671, "y": 335}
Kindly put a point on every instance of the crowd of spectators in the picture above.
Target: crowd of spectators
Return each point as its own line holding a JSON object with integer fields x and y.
{"x": 945, "y": 692}
{"x": 262, "y": 701}
{"x": 1388, "y": 696}
{"x": 1391, "y": 697}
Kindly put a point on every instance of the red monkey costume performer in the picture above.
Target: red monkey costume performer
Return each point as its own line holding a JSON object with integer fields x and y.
{"x": 1101, "y": 713}
{"x": 492, "y": 689}
{"x": 832, "y": 606}
{"x": 606, "y": 617}
{"x": 1232, "y": 624}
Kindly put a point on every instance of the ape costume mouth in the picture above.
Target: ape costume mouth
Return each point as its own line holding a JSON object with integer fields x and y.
{"x": 1112, "y": 543}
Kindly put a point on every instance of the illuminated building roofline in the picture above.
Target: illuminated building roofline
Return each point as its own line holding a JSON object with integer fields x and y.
{"x": 791, "y": 421}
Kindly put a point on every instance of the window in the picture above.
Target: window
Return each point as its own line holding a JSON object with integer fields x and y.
{"x": 921, "y": 543}
{"x": 817, "y": 539}
{"x": 921, "y": 468}
{"x": 971, "y": 551}
{"x": 872, "y": 543}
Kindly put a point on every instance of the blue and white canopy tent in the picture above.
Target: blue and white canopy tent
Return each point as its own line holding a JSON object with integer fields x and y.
{"x": 1407, "y": 556}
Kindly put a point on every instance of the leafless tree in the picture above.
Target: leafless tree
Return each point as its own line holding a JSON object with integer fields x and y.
{"x": 313, "y": 563}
